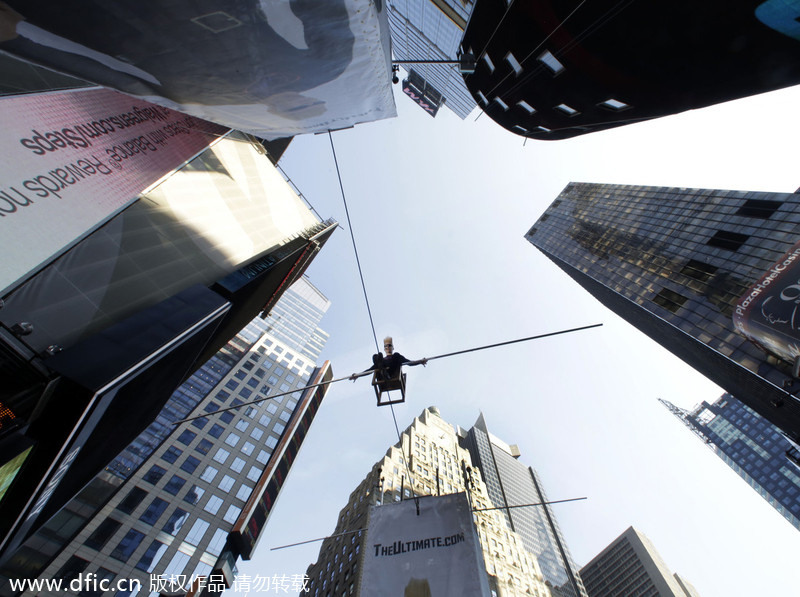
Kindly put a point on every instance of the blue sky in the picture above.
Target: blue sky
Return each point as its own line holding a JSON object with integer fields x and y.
{"x": 439, "y": 209}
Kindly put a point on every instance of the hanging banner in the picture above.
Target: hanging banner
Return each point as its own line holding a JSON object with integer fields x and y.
{"x": 435, "y": 552}
{"x": 273, "y": 68}
{"x": 74, "y": 159}
{"x": 769, "y": 314}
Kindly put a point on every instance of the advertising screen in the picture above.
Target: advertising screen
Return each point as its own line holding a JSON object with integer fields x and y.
{"x": 769, "y": 313}
{"x": 74, "y": 159}
{"x": 423, "y": 93}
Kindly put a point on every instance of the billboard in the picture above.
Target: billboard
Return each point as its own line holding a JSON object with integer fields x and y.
{"x": 769, "y": 313}
{"x": 74, "y": 159}
{"x": 423, "y": 93}
{"x": 272, "y": 68}
{"x": 433, "y": 552}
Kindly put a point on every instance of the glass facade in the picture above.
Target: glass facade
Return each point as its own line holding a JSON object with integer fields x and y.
{"x": 752, "y": 447}
{"x": 510, "y": 482}
{"x": 674, "y": 262}
{"x": 167, "y": 503}
{"x": 421, "y": 30}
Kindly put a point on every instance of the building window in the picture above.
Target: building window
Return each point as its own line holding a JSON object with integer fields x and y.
{"x": 244, "y": 493}
{"x": 221, "y": 456}
{"x": 565, "y": 109}
{"x": 670, "y": 300}
{"x": 213, "y": 504}
{"x": 186, "y": 437}
{"x": 197, "y": 531}
{"x": 127, "y": 546}
{"x": 154, "y": 511}
{"x": 194, "y": 495}
{"x": 488, "y": 62}
{"x": 171, "y": 454}
{"x": 190, "y": 464}
{"x": 154, "y": 474}
{"x": 72, "y": 569}
{"x": 614, "y": 104}
{"x": 209, "y": 474}
{"x": 232, "y": 514}
{"x": 150, "y": 559}
{"x": 101, "y": 575}
{"x": 216, "y": 430}
{"x": 226, "y": 483}
{"x": 759, "y": 208}
{"x": 514, "y": 63}
{"x": 697, "y": 270}
{"x": 725, "y": 239}
{"x": 551, "y": 62}
{"x": 102, "y": 534}
{"x": 133, "y": 499}
{"x": 500, "y": 102}
{"x": 175, "y": 522}
{"x": 217, "y": 542}
{"x": 203, "y": 446}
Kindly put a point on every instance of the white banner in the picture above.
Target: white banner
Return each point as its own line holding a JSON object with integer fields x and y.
{"x": 72, "y": 160}
{"x": 273, "y": 68}
{"x": 435, "y": 552}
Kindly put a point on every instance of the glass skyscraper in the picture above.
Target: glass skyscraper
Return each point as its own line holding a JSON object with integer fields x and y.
{"x": 432, "y": 30}
{"x": 186, "y": 499}
{"x": 674, "y": 262}
{"x": 510, "y": 483}
{"x": 751, "y": 446}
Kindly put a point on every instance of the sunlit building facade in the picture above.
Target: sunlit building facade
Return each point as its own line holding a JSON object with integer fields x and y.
{"x": 674, "y": 262}
{"x": 632, "y": 567}
{"x": 429, "y": 460}
{"x": 509, "y": 482}
{"x": 753, "y": 447}
{"x": 188, "y": 499}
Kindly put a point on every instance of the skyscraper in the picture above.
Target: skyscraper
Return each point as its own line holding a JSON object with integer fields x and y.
{"x": 429, "y": 460}
{"x": 135, "y": 270}
{"x": 432, "y": 30}
{"x": 751, "y": 446}
{"x": 679, "y": 264}
{"x": 190, "y": 498}
{"x": 632, "y": 567}
{"x": 510, "y": 482}
{"x": 565, "y": 68}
